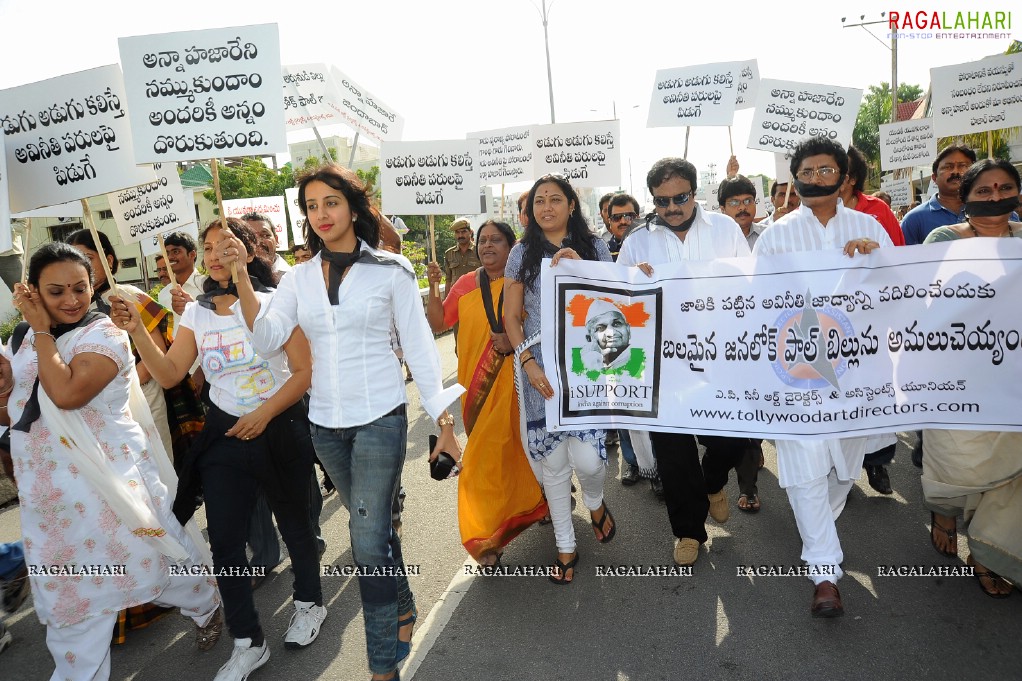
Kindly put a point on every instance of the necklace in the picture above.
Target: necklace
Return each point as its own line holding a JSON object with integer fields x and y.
{"x": 975, "y": 233}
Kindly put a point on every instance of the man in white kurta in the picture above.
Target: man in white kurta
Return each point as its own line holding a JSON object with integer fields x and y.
{"x": 818, "y": 474}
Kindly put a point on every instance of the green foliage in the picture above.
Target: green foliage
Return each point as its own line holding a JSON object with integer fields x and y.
{"x": 874, "y": 111}
{"x": 417, "y": 255}
{"x": 370, "y": 178}
{"x": 418, "y": 231}
{"x": 250, "y": 179}
{"x": 154, "y": 292}
{"x": 7, "y": 327}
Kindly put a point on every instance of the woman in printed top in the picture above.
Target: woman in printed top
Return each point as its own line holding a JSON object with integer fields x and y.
{"x": 344, "y": 299}
{"x": 95, "y": 483}
{"x": 256, "y": 437}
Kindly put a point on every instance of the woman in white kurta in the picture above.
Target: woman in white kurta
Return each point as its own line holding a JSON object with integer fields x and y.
{"x": 93, "y": 481}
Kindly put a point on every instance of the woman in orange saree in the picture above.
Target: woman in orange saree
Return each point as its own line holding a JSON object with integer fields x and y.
{"x": 498, "y": 495}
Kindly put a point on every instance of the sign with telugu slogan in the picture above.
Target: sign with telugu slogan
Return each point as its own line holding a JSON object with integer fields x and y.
{"x": 152, "y": 208}
{"x": 68, "y": 138}
{"x": 824, "y": 347}
{"x": 505, "y": 155}
{"x": 270, "y": 206}
{"x": 309, "y": 99}
{"x": 439, "y": 177}
{"x": 977, "y": 96}
{"x": 295, "y": 216}
{"x": 205, "y": 94}
{"x": 363, "y": 112}
{"x": 789, "y": 112}
{"x": 587, "y": 153}
{"x": 907, "y": 144}
{"x": 705, "y": 94}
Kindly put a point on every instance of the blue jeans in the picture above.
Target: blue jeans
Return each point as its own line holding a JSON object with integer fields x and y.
{"x": 627, "y": 451}
{"x": 12, "y": 560}
{"x": 365, "y": 464}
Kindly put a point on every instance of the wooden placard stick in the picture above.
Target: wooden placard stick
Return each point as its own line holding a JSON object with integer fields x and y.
{"x": 990, "y": 144}
{"x": 688, "y": 129}
{"x": 220, "y": 209}
{"x": 91, "y": 224}
{"x": 730, "y": 142}
{"x": 787, "y": 192}
{"x": 502, "y": 202}
{"x": 27, "y": 241}
{"x": 434, "y": 288}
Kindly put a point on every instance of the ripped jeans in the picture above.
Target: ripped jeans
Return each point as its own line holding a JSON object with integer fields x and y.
{"x": 365, "y": 464}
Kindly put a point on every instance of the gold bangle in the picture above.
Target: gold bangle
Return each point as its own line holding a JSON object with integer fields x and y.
{"x": 445, "y": 420}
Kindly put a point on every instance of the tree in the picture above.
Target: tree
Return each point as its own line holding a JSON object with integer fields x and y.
{"x": 418, "y": 231}
{"x": 874, "y": 111}
{"x": 250, "y": 179}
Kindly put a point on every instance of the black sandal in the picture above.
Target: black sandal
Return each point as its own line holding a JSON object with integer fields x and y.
{"x": 980, "y": 575}
{"x": 952, "y": 536}
{"x": 599, "y": 525}
{"x": 564, "y": 567}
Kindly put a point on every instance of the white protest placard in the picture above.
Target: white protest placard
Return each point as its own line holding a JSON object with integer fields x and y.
{"x": 68, "y": 138}
{"x": 977, "y": 96}
{"x": 704, "y": 94}
{"x": 6, "y": 236}
{"x": 152, "y": 208}
{"x": 430, "y": 178}
{"x": 788, "y": 112}
{"x": 205, "y": 94}
{"x": 364, "y": 112}
{"x": 71, "y": 209}
{"x": 294, "y": 215}
{"x": 824, "y": 347}
{"x": 270, "y": 206}
{"x": 762, "y": 194}
{"x": 748, "y": 84}
{"x": 309, "y": 99}
{"x": 907, "y": 143}
{"x": 504, "y": 155}
{"x": 782, "y": 168}
{"x": 899, "y": 190}
{"x": 587, "y": 153}
{"x": 151, "y": 244}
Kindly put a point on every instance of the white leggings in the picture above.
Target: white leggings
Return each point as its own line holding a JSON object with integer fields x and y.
{"x": 82, "y": 651}
{"x": 571, "y": 454}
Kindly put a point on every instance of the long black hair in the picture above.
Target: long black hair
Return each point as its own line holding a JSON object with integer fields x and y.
{"x": 83, "y": 237}
{"x": 260, "y": 268}
{"x": 579, "y": 236}
{"x": 367, "y": 226}
{"x": 56, "y": 251}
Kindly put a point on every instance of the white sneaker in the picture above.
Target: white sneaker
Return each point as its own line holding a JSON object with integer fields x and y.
{"x": 304, "y": 626}
{"x": 244, "y": 660}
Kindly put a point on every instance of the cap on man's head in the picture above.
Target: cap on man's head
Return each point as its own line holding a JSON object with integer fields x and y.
{"x": 599, "y": 308}
{"x": 461, "y": 223}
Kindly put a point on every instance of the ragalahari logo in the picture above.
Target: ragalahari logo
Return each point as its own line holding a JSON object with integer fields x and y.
{"x": 607, "y": 350}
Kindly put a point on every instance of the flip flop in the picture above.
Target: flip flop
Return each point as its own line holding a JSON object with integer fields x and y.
{"x": 599, "y": 526}
{"x": 751, "y": 503}
{"x": 980, "y": 575}
{"x": 563, "y": 568}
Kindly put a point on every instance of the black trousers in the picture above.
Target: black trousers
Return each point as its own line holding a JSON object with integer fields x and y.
{"x": 748, "y": 469}
{"x": 687, "y": 481}
{"x": 232, "y": 472}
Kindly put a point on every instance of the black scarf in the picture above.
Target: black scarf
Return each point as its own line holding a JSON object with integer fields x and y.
{"x": 495, "y": 318}
{"x": 339, "y": 264}
{"x": 31, "y": 412}
{"x": 550, "y": 248}
{"x": 206, "y": 299}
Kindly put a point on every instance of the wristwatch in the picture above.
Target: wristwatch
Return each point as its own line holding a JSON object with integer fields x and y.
{"x": 445, "y": 420}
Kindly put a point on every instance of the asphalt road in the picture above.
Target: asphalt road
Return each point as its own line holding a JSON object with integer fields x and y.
{"x": 713, "y": 624}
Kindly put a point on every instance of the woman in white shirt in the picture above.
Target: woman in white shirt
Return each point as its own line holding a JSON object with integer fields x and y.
{"x": 256, "y": 437}
{"x": 345, "y": 299}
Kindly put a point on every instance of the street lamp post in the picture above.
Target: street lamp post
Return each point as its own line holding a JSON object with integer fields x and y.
{"x": 546, "y": 44}
{"x": 894, "y": 55}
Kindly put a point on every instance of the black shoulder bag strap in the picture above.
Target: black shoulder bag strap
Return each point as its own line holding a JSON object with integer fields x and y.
{"x": 496, "y": 320}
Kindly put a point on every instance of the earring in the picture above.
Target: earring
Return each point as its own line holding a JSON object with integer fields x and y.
{"x": 354, "y": 218}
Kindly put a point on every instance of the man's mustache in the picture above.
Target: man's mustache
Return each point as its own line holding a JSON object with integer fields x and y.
{"x": 744, "y": 214}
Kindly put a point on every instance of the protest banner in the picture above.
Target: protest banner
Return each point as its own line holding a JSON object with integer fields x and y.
{"x": 204, "y": 94}
{"x": 705, "y": 94}
{"x": 309, "y": 99}
{"x": 587, "y": 153}
{"x": 748, "y": 84}
{"x": 71, "y": 209}
{"x": 270, "y": 206}
{"x": 6, "y": 237}
{"x": 364, "y": 112}
{"x": 825, "y": 347}
{"x": 977, "y": 96}
{"x": 67, "y": 138}
{"x": 152, "y": 208}
{"x": 430, "y": 178}
{"x": 295, "y": 216}
{"x": 788, "y": 112}
{"x": 907, "y": 144}
{"x": 899, "y": 190}
{"x": 504, "y": 155}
